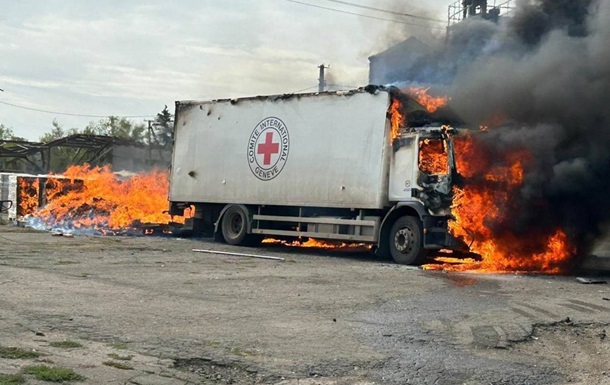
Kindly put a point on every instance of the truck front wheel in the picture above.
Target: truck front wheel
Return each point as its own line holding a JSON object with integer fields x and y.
{"x": 406, "y": 241}
{"x": 234, "y": 225}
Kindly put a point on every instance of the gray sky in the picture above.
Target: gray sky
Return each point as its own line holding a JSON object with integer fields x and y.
{"x": 118, "y": 57}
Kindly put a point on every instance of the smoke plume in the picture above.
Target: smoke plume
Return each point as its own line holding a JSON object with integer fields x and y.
{"x": 541, "y": 80}
{"x": 548, "y": 74}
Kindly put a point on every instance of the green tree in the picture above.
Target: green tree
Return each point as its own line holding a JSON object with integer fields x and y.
{"x": 57, "y": 132}
{"x": 117, "y": 127}
{"x": 163, "y": 127}
{"x": 59, "y": 157}
{"x": 9, "y": 163}
{"x": 6, "y": 133}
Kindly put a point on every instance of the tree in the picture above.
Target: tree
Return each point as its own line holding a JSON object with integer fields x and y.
{"x": 6, "y": 133}
{"x": 117, "y": 127}
{"x": 59, "y": 158}
{"x": 9, "y": 163}
{"x": 163, "y": 127}
{"x": 57, "y": 132}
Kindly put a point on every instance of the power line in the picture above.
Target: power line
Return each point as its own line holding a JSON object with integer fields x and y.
{"x": 71, "y": 114}
{"x": 386, "y": 11}
{"x": 361, "y": 15}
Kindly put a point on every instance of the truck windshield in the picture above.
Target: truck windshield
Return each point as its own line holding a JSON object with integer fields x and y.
{"x": 433, "y": 158}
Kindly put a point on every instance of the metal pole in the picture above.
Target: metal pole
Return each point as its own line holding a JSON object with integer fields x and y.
{"x": 321, "y": 81}
{"x": 238, "y": 254}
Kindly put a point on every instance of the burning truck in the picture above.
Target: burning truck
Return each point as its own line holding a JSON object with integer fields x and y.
{"x": 367, "y": 166}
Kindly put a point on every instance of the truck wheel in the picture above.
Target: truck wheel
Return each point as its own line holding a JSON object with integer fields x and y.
{"x": 234, "y": 225}
{"x": 406, "y": 241}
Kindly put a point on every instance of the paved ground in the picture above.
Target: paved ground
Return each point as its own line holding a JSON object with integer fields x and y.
{"x": 319, "y": 317}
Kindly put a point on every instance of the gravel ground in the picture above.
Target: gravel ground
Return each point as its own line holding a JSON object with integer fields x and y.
{"x": 173, "y": 316}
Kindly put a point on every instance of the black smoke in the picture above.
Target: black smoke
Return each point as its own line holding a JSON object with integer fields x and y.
{"x": 542, "y": 77}
{"x": 533, "y": 21}
{"x": 549, "y": 80}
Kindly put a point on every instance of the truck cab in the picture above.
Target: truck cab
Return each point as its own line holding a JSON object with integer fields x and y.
{"x": 422, "y": 172}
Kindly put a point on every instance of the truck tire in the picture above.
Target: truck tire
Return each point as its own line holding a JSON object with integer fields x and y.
{"x": 406, "y": 241}
{"x": 234, "y": 226}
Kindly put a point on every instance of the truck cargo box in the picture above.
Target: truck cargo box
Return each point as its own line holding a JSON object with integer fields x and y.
{"x": 324, "y": 150}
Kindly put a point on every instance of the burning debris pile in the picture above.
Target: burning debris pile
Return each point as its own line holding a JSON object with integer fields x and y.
{"x": 96, "y": 201}
{"x": 533, "y": 196}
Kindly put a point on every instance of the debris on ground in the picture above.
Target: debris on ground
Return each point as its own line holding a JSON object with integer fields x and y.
{"x": 590, "y": 281}
{"x": 238, "y": 254}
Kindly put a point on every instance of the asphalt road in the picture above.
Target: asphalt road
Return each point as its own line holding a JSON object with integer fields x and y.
{"x": 318, "y": 317}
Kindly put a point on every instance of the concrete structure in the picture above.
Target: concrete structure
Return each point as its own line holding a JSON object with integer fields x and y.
{"x": 398, "y": 63}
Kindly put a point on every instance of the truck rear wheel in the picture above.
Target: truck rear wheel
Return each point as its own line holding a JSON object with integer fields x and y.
{"x": 406, "y": 241}
{"x": 234, "y": 225}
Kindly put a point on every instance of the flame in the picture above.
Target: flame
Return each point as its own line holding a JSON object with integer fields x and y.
{"x": 482, "y": 210}
{"x": 421, "y": 96}
{"x": 315, "y": 243}
{"x": 430, "y": 103}
{"x": 397, "y": 119}
{"x": 433, "y": 157}
{"x": 28, "y": 195}
{"x": 95, "y": 198}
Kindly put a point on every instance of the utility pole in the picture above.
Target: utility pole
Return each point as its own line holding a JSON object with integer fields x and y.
{"x": 151, "y": 131}
{"x": 321, "y": 81}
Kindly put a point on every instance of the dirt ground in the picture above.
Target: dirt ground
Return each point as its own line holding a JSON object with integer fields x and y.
{"x": 168, "y": 315}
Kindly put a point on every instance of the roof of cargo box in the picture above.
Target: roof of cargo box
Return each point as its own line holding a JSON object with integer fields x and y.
{"x": 418, "y": 115}
{"x": 371, "y": 89}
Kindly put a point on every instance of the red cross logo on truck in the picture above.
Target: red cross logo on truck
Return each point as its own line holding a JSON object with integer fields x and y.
{"x": 268, "y": 148}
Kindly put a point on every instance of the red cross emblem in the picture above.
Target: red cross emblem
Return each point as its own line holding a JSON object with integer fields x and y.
{"x": 268, "y": 148}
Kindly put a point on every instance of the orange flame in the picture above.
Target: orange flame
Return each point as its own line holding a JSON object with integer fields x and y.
{"x": 397, "y": 119}
{"x": 481, "y": 207}
{"x": 28, "y": 195}
{"x": 430, "y": 103}
{"x": 315, "y": 243}
{"x": 433, "y": 157}
{"x": 421, "y": 96}
{"x": 97, "y": 198}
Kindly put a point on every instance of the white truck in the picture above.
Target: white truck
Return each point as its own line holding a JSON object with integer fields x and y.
{"x": 323, "y": 165}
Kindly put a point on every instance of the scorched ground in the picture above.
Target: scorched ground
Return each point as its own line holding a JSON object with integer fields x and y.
{"x": 320, "y": 317}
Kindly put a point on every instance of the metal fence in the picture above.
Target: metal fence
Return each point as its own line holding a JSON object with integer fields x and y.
{"x": 457, "y": 11}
